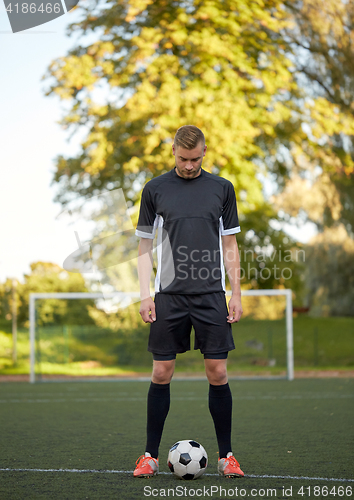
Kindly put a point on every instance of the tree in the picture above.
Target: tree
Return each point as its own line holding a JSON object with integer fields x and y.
{"x": 228, "y": 66}
{"x": 320, "y": 187}
{"x": 330, "y": 273}
{"x": 47, "y": 277}
{"x": 218, "y": 64}
{"x": 323, "y": 162}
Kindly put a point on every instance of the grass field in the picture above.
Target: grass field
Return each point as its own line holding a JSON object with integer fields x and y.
{"x": 302, "y": 429}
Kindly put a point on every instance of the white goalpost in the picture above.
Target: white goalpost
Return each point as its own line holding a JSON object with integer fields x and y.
{"x": 87, "y": 295}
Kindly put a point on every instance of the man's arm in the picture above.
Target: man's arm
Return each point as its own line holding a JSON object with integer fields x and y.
{"x": 232, "y": 265}
{"x": 145, "y": 263}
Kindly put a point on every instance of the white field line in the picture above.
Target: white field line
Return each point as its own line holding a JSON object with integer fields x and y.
{"x": 177, "y": 398}
{"x": 95, "y": 471}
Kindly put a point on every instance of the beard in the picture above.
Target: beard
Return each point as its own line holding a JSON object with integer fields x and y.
{"x": 189, "y": 174}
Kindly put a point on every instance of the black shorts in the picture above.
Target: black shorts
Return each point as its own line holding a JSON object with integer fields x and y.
{"x": 175, "y": 316}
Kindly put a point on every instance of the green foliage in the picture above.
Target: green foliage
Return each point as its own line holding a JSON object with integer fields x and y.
{"x": 323, "y": 342}
{"x": 47, "y": 277}
{"x": 330, "y": 273}
{"x": 235, "y": 69}
{"x": 220, "y": 65}
{"x": 321, "y": 35}
{"x": 6, "y": 344}
{"x": 269, "y": 82}
{"x": 269, "y": 258}
{"x": 82, "y": 350}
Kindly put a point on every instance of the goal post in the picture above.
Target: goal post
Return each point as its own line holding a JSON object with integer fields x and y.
{"x": 135, "y": 295}
{"x": 288, "y": 321}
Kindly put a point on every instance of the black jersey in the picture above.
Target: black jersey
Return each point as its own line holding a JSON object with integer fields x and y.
{"x": 190, "y": 216}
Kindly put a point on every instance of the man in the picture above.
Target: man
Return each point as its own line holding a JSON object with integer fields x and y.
{"x": 195, "y": 216}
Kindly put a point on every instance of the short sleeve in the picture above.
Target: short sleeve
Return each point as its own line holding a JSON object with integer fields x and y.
{"x": 146, "y": 227}
{"x": 229, "y": 219}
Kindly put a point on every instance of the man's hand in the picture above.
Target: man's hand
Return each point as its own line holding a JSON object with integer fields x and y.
{"x": 235, "y": 309}
{"x": 147, "y": 310}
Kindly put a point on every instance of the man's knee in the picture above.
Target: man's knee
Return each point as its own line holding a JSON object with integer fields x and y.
{"x": 162, "y": 371}
{"x": 216, "y": 371}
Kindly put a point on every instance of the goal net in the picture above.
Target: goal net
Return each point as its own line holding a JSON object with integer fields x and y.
{"x": 91, "y": 335}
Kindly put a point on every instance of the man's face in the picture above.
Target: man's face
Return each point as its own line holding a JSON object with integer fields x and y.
{"x": 189, "y": 161}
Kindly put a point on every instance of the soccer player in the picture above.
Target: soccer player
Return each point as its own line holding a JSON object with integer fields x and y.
{"x": 195, "y": 215}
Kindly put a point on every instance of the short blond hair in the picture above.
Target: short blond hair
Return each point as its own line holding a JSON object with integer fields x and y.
{"x": 188, "y": 137}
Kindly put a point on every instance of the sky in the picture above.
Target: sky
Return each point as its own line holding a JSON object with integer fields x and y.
{"x": 30, "y": 139}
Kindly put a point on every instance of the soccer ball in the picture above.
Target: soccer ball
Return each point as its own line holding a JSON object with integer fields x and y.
{"x": 187, "y": 459}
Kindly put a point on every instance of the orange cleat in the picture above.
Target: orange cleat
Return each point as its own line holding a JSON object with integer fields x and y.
{"x": 229, "y": 466}
{"x": 146, "y": 466}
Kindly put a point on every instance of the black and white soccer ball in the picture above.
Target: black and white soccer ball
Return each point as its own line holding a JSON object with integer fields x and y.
{"x": 187, "y": 459}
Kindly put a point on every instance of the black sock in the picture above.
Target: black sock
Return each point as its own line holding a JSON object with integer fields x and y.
{"x": 220, "y": 406}
{"x": 158, "y": 404}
